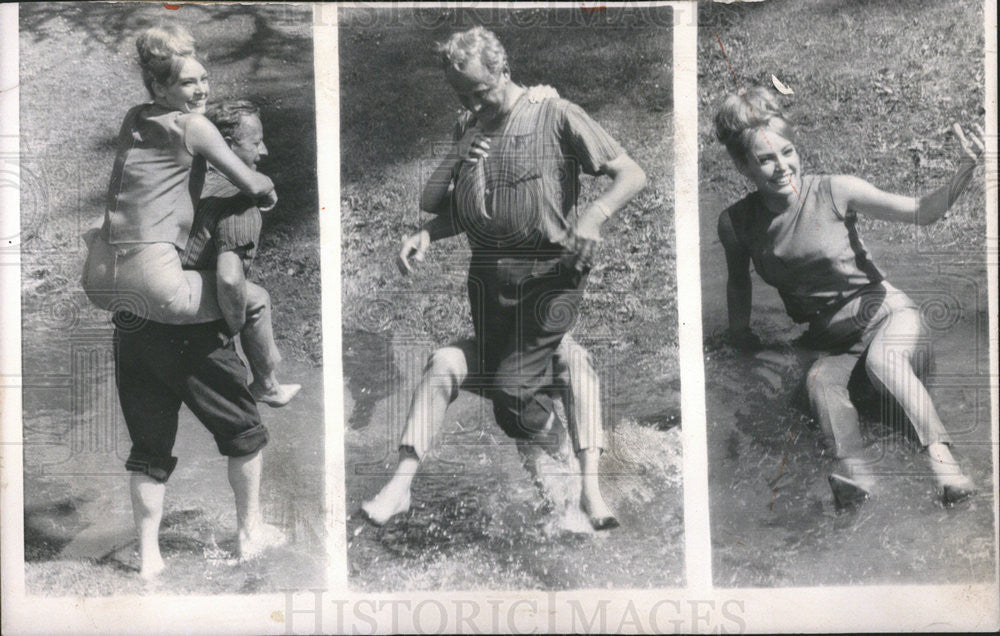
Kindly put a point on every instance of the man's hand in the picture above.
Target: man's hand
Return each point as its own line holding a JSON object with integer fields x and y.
{"x": 583, "y": 241}
{"x": 473, "y": 146}
{"x": 414, "y": 246}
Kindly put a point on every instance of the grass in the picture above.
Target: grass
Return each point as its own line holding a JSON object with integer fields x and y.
{"x": 397, "y": 111}
{"x": 877, "y": 88}
{"x": 79, "y": 76}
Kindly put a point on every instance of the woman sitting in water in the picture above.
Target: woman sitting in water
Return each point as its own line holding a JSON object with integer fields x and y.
{"x": 133, "y": 261}
{"x": 800, "y": 233}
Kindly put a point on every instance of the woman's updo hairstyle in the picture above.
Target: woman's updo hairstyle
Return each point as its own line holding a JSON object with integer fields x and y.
{"x": 745, "y": 113}
{"x": 476, "y": 43}
{"x": 162, "y": 51}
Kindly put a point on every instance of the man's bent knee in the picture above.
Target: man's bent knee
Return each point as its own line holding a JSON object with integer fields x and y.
{"x": 246, "y": 443}
{"x": 258, "y": 299}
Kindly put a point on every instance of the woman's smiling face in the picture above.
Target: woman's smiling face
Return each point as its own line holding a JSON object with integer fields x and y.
{"x": 189, "y": 92}
{"x": 773, "y": 164}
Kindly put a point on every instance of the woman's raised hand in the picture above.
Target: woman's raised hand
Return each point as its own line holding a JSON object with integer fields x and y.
{"x": 541, "y": 92}
{"x": 974, "y": 145}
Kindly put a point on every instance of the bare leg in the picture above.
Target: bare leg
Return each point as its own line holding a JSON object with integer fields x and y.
{"x": 253, "y": 535}
{"x": 889, "y": 364}
{"x": 147, "y": 509}
{"x": 573, "y": 365}
{"x": 444, "y": 374}
{"x": 257, "y": 337}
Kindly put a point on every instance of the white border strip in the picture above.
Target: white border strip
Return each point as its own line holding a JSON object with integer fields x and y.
{"x": 698, "y": 544}
{"x": 327, "y": 80}
{"x": 11, "y": 458}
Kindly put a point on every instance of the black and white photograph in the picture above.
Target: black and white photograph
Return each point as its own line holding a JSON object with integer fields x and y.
{"x": 844, "y": 293}
{"x": 168, "y": 211}
{"x": 512, "y": 391}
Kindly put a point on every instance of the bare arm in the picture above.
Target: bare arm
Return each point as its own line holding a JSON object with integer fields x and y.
{"x": 232, "y": 289}
{"x": 857, "y": 194}
{"x": 204, "y": 139}
{"x": 627, "y": 180}
{"x": 416, "y": 245}
{"x": 739, "y": 287}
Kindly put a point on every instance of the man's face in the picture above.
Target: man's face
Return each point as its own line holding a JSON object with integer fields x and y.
{"x": 247, "y": 141}
{"x": 480, "y": 91}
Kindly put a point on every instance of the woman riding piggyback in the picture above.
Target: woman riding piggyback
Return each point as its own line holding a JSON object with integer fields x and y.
{"x": 162, "y": 149}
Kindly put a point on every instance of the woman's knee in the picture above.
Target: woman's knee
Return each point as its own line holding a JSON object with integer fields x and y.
{"x": 826, "y": 378}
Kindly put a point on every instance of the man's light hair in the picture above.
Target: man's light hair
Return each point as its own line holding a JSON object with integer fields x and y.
{"x": 476, "y": 43}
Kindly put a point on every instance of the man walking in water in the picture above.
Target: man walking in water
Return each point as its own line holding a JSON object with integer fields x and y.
{"x": 510, "y": 184}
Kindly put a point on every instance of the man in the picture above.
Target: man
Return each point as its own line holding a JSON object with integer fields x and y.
{"x": 225, "y": 234}
{"x": 510, "y": 184}
{"x": 159, "y": 366}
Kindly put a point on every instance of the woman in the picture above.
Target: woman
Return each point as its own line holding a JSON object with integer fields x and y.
{"x": 133, "y": 262}
{"x": 800, "y": 233}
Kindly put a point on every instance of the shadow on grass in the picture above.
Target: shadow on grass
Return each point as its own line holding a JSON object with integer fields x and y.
{"x": 49, "y": 527}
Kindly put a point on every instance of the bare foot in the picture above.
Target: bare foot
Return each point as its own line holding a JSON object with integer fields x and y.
{"x": 151, "y": 567}
{"x": 274, "y": 396}
{"x": 392, "y": 500}
{"x": 956, "y": 489}
{"x": 253, "y": 544}
{"x": 600, "y": 514}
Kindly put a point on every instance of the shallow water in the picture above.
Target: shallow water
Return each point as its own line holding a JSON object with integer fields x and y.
{"x": 476, "y": 521}
{"x": 772, "y": 514}
{"x": 79, "y": 537}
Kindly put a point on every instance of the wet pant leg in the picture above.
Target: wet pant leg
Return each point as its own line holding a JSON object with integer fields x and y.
{"x": 830, "y": 402}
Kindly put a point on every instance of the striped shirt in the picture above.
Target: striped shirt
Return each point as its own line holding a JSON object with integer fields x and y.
{"x": 812, "y": 253}
{"x": 226, "y": 220}
{"x": 524, "y": 195}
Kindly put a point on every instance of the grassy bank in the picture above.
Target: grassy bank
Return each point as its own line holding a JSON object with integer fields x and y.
{"x": 877, "y": 87}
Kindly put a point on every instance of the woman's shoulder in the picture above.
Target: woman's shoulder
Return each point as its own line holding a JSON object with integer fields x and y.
{"x": 185, "y": 120}
{"x": 735, "y": 220}
{"x": 742, "y": 209}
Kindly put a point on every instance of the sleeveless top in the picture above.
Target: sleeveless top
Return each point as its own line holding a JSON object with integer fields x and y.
{"x": 523, "y": 196}
{"x": 155, "y": 181}
{"x": 811, "y": 253}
